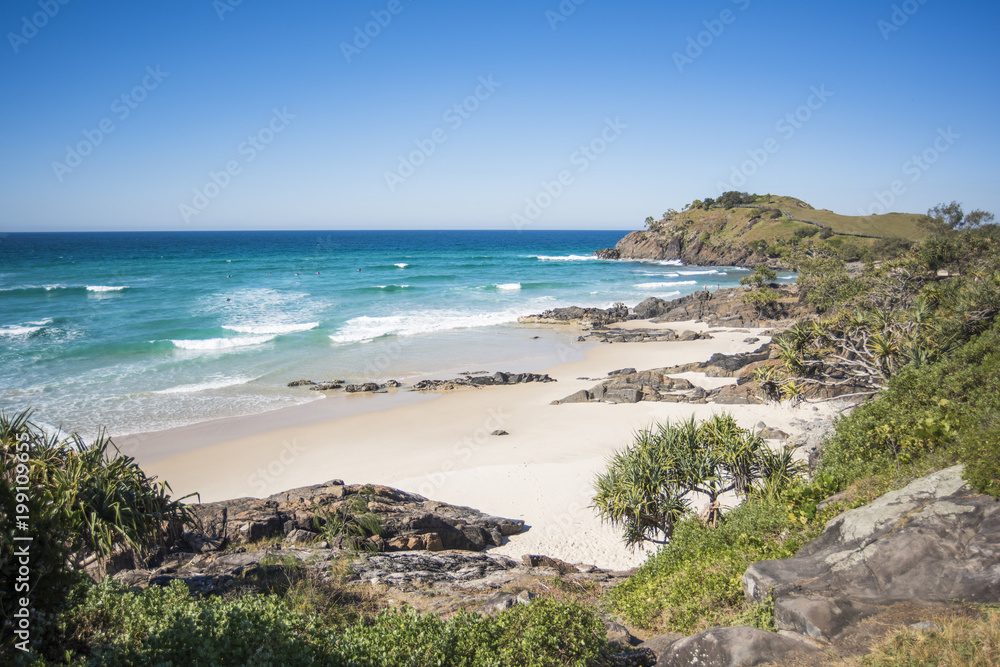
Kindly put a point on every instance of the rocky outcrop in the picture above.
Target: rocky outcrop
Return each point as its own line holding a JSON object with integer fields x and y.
{"x": 933, "y": 540}
{"x": 734, "y": 647}
{"x": 575, "y": 314}
{"x": 724, "y": 307}
{"x": 657, "y": 385}
{"x": 408, "y": 521}
{"x": 468, "y": 379}
{"x": 689, "y": 248}
{"x": 476, "y": 380}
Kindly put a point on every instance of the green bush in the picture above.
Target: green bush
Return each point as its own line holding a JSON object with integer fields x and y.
{"x": 695, "y": 582}
{"x": 951, "y": 402}
{"x": 113, "y": 625}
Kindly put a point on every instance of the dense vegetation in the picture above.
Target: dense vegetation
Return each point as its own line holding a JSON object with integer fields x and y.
{"x": 916, "y": 330}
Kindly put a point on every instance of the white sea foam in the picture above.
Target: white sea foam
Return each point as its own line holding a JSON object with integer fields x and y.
{"x": 564, "y": 258}
{"x": 204, "y": 386}
{"x": 270, "y": 328}
{"x": 18, "y": 330}
{"x": 106, "y": 288}
{"x": 508, "y": 286}
{"x": 366, "y": 328}
{"x": 671, "y": 262}
{"x": 659, "y": 275}
{"x": 222, "y": 343}
{"x": 709, "y": 272}
{"x": 392, "y": 286}
{"x": 401, "y": 265}
{"x": 670, "y": 284}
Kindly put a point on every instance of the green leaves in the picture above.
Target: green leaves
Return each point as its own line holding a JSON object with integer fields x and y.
{"x": 646, "y": 488}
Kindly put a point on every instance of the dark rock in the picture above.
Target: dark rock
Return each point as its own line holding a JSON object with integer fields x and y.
{"x": 505, "y": 601}
{"x": 367, "y": 386}
{"x": 933, "y": 540}
{"x": 392, "y": 384}
{"x": 300, "y": 383}
{"x": 545, "y": 561}
{"x": 769, "y": 433}
{"x": 326, "y": 386}
{"x": 608, "y": 253}
{"x": 477, "y": 380}
{"x": 734, "y": 647}
{"x": 299, "y": 536}
{"x": 499, "y": 432}
{"x": 617, "y": 633}
{"x": 660, "y": 643}
{"x": 577, "y": 397}
{"x": 623, "y": 371}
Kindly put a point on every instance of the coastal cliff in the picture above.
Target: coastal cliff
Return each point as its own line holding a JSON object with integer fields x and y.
{"x": 741, "y": 229}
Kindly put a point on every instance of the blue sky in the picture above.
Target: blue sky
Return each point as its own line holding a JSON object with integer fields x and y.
{"x": 268, "y": 115}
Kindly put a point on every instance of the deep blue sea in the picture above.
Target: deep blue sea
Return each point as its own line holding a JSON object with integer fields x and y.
{"x": 145, "y": 331}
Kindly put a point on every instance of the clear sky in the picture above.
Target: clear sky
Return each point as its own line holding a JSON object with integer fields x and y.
{"x": 117, "y": 114}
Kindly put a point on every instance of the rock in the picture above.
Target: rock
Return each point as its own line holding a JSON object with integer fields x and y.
{"x": 326, "y": 386}
{"x": 476, "y": 380}
{"x": 367, "y": 386}
{"x": 769, "y": 433}
{"x": 623, "y": 371}
{"x": 689, "y": 335}
{"x": 617, "y": 633}
{"x": 300, "y": 383}
{"x": 499, "y": 432}
{"x": 414, "y": 569}
{"x": 505, "y": 601}
{"x": 660, "y": 643}
{"x": 734, "y": 647}
{"x": 608, "y": 253}
{"x": 545, "y": 561}
{"x": 392, "y": 384}
{"x": 933, "y": 540}
{"x": 408, "y": 521}
{"x": 577, "y": 397}
{"x": 650, "y": 308}
{"x": 299, "y": 536}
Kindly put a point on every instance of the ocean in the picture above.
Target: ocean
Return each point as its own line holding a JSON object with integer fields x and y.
{"x": 146, "y": 331}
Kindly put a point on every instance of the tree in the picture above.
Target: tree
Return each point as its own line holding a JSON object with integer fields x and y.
{"x": 650, "y": 221}
{"x": 952, "y": 216}
{"x": 761, "y": 296}
{"x": 647, "y": 486}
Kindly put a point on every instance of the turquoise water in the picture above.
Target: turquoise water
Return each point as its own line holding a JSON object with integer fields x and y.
{"x": 145, "y": 331}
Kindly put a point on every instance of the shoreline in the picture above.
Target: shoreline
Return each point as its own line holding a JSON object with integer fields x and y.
{"x": 441, "y": 448}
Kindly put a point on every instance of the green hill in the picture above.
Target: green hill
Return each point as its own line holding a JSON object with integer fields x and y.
{"x": 744, "y": 229}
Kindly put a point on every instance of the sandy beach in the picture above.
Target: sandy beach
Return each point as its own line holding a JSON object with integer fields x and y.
{"x": 441, "y": 447}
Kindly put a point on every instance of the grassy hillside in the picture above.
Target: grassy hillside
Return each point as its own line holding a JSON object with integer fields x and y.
{"x": 744, "y": 229}
{"x": 901, "y": 225}
{"x": 774, "y": 217}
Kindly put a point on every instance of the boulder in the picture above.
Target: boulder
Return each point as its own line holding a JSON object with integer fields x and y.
{"x": 735, "y": 647}
{"x": 933, "y": 540}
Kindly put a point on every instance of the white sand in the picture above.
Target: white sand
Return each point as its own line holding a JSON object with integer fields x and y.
{"x": 441, "y": 448}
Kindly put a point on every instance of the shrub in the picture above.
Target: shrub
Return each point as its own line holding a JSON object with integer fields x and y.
{"x": 695, "y": 582}
{"x": 120, "y": 626}
{"x": 645, "y": 488}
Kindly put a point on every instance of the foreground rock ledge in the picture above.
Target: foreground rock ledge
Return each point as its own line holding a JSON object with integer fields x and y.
{"x": 935, "y": 540}
{"x": 409, "y": 521}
